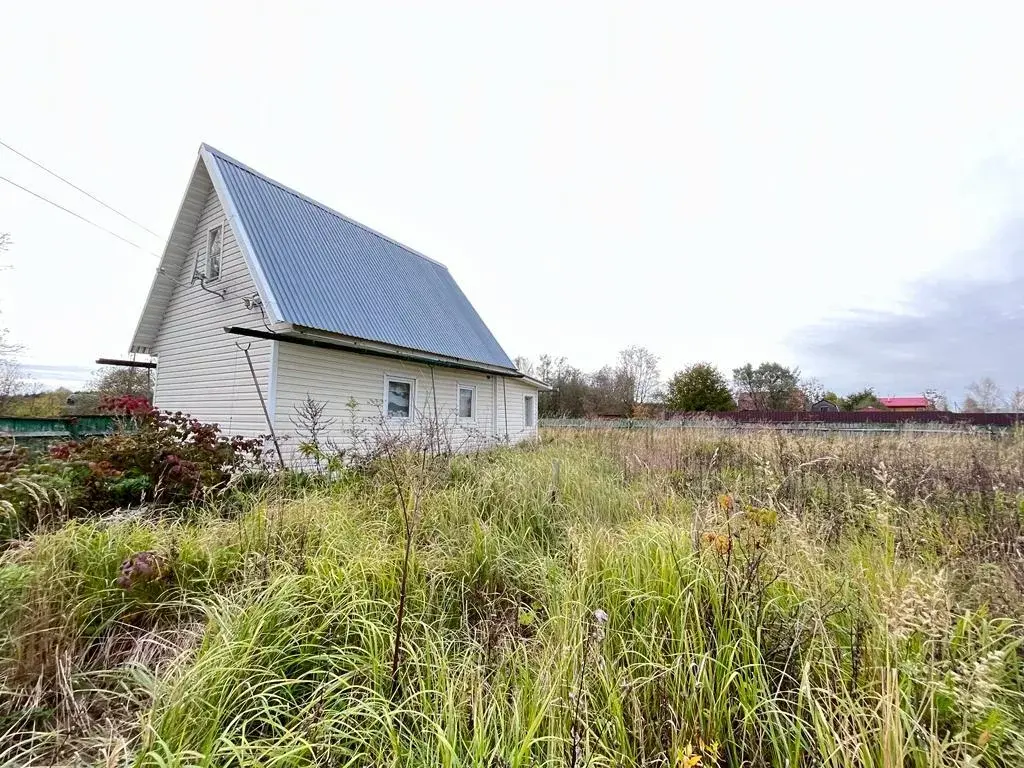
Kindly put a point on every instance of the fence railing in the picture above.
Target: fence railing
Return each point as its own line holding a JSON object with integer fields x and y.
{"x": 799, "y": 426}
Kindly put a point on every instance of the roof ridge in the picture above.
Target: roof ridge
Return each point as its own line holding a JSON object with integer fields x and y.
{"x": 284, "y": 187}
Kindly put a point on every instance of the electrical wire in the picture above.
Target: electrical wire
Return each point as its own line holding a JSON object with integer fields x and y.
{"x": 78, "y": 216}
{"x": 75, "y": 186}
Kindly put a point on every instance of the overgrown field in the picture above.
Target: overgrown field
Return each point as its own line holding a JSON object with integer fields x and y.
{"x": 685, "y": 598}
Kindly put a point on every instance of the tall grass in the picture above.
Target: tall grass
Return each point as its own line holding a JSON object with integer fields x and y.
{"x": 675, "y": 599}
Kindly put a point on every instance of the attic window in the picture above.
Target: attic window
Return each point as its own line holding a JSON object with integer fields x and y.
{"x": 212, "y": 271}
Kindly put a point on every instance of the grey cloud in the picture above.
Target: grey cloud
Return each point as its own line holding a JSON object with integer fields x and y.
{"x": 955, "y": 330}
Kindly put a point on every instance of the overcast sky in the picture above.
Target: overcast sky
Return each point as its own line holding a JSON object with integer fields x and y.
{"x": 831, "y": 189}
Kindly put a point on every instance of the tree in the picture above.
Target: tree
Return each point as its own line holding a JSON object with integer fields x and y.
{"x": 12, "y": 376}
{"x": 1015, "y": 402}
{"x": 937, "y": 401}
{"x": 813, "y": 390}
{"x": 548, "y": 366}
{"x": 984, "y": 395}
{"x": 568, "y": 396}
{"x": 524, "y": 364}
{"x": 116, "y": 381}
{"x": 858, "y": 401}
{"x": 610, "y": 392}
{"x": 770, "y": 386}
{"x": 638, "y": 371}
{"x": 699, "y": 387}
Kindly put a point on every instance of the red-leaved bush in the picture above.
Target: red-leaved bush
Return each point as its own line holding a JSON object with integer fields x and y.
{"x": 126, "y": 405}
{"x": 155, "y": 457}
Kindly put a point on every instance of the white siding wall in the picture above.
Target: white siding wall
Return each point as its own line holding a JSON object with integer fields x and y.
{"x": 336, "y": 377}
{"x": 199, "y": 369}
{"x": 512, "y": 392}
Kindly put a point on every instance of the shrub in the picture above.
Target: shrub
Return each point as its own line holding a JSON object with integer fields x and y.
{"x": 126, "y": 405}
{"x": 156, "y": 457}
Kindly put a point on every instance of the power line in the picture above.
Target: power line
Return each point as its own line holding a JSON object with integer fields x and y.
{"x": 75, "y": 186}
{"x": 77, "y": 215}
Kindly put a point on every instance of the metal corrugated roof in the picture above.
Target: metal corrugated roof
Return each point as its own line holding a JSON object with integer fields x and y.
{"x": 904, "y": 402}
{"x": 327, "y": 272}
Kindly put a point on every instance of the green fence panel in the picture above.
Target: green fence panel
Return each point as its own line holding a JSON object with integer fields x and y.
{"x": 63, "y": 427}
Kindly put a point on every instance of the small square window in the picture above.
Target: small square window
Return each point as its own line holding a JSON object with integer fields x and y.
{"x": 467, "y": 404}
{"x": 212, "y": 271}
{"x": 529, "y": 414}
{"x": 399, "y": 399}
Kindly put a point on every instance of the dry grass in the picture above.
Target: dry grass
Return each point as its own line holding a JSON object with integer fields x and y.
{"x": 674, "y": 596}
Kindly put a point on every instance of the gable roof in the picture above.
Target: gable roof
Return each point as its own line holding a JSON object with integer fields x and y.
{"x": 318, "y": 269}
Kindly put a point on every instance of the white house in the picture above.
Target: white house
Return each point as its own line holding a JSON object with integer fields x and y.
{"x": 328, "y": 309}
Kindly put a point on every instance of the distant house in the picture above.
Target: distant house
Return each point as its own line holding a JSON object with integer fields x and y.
{"x": 328, "y": 309}
{"x": 824, "y": 406}
{"x": 905, "y": 403}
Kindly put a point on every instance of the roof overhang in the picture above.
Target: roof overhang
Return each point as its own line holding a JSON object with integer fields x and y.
{"x": 174, "y": 255}
{"x": 372, "y": 347}
{"x": 543, "y": 386}
{"x": 291, "y": 334}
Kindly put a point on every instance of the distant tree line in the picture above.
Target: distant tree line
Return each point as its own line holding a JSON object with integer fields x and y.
{"x": 985, "y": 396}
{"x": 622, "y": 389}
{"x": 631, "y": 387}
{"x": 28, "y": 400}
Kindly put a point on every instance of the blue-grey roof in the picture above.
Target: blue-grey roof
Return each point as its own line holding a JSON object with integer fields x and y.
{"x": 328, "y": 272}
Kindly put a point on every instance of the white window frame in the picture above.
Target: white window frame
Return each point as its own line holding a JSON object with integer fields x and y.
{"x": 459, "y": 386}
{"x": 399, "y": 379}
{"x": 529, "y": 411}
{"x": 219, "y": 229}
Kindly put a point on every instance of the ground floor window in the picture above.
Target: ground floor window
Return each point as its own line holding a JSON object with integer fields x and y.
{"x": 398, "y": 397}
{"x": 467, "y": 402}
{"x": 529, "y": 410}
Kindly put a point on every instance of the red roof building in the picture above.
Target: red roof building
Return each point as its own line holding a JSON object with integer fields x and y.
{"x": 905, "y": 403}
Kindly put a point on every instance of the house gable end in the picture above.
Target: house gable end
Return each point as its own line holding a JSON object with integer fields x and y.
{"x": 178, "y": 243}
{"x": 201, "y": 370}
{"x": 178, "y": 260}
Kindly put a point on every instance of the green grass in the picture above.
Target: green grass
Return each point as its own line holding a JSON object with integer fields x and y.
{"x": 744, "y": 600}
